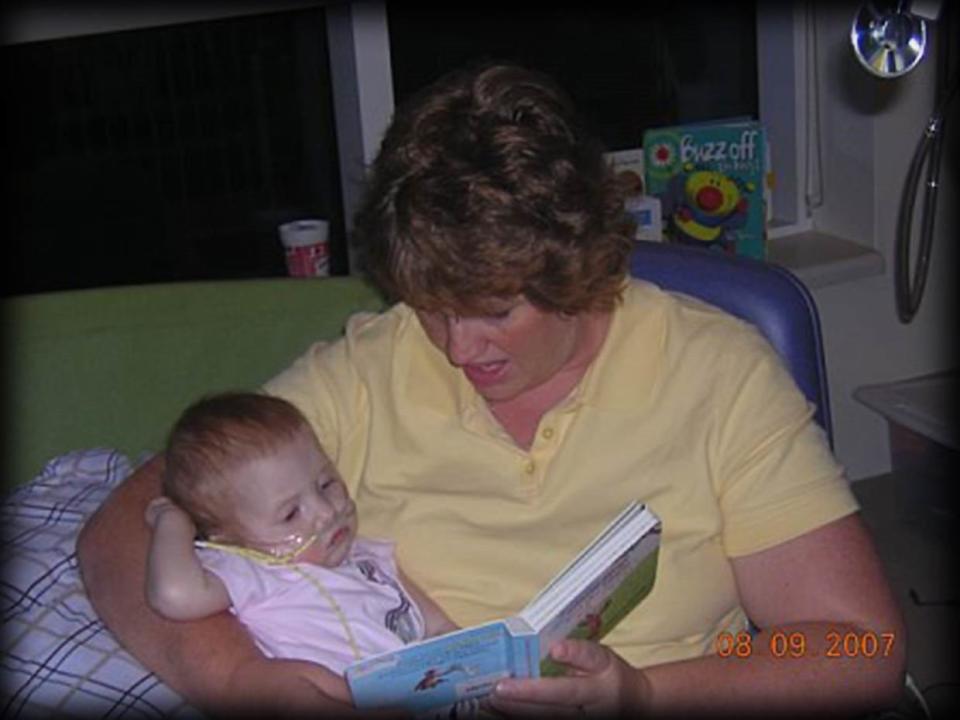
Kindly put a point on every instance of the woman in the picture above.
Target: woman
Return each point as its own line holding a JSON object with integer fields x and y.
{"x": 519, "y": 393}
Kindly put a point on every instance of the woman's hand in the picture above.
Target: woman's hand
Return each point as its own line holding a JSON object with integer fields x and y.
{"x": 598, "y": 683}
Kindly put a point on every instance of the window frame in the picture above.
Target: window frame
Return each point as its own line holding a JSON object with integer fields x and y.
{"x": 361, "y": 75}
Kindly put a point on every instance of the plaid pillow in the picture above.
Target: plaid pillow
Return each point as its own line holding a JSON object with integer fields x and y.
{"x": 58, "y": 659}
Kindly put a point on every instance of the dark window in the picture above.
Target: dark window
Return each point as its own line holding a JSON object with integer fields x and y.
{"x": 168, "y": 153}
{"x": 629, "y": 67}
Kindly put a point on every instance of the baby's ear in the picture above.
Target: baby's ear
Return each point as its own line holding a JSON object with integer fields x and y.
{"x": 213, "y": 536}
{"x": 213, "y": 529}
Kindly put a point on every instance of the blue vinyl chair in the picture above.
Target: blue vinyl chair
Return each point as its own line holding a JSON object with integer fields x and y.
{"x": 767, "y": 296}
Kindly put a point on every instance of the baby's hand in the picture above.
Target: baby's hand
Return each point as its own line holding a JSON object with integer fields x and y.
{"x": 160, "y": 505}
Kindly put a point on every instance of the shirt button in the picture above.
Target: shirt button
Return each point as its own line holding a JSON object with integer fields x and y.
{"x": 530, "y": 467}
{"x": 547, "y": 433}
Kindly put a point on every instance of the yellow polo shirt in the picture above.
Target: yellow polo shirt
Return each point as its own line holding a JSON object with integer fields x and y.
{"x": 685, "y": 408}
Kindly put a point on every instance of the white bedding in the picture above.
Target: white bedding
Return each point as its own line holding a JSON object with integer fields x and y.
{"x": 58, "y": 659}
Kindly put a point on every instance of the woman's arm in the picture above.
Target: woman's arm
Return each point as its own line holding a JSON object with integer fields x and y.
{"x": 178, "y": 586}
{"x": 211, "y": 662}
{"x": 831, "y": 630}
{"x": 810, "y": 596}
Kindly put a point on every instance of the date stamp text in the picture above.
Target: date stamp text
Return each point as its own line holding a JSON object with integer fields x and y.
{"x": 794, "y": 644}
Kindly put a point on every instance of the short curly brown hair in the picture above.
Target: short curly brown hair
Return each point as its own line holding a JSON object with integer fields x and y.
{"x": 486, "y": 187}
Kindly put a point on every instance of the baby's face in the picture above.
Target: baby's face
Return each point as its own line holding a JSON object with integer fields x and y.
{"x": 293, "y": 503}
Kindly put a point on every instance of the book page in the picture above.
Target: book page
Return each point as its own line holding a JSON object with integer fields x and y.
{"x": 630, "y": 525}
{"x": 597, "y": 607}
{"x": 600, "y": 587}
{"x": 443, "y": 670}
{"x": 574, "y": 569}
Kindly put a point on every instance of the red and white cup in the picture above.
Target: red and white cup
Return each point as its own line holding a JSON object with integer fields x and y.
{"x": 307, "y": 247}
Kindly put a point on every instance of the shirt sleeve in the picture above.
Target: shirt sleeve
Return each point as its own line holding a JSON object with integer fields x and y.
{"x": 239, "y": 575}
{"x": 307, "y": 385}
{"x": 777, "y": 478}
{"x": 325, "y": 385}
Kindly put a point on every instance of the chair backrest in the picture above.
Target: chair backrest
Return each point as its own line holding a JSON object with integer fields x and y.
{"x": 768, "y": 296}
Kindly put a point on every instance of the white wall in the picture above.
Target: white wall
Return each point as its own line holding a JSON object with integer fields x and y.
{"x": 871, "y": 128}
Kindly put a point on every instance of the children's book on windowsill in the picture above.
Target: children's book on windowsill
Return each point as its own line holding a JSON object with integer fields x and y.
{"x": 641, "y": 212}
{"x": 713, "y": 181}
{"x": 586, "y": 599}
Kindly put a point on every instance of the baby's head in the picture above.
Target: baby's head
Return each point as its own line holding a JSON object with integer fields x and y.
{"x": 250, "y": 472}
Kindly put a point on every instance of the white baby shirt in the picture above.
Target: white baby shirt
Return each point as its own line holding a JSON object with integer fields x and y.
{"x": 325, "y": 615}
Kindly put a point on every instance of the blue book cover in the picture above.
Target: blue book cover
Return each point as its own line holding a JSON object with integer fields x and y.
{"x": 450, "y": 673}
{"x": 711, "y": 180}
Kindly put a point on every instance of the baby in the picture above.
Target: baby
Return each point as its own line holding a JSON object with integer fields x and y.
{"x": 277, "y": 541}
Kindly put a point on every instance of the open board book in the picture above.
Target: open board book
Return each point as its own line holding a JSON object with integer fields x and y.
{"x": 585, "y": 600}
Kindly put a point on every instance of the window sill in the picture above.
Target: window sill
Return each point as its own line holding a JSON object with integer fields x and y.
{"x": 819, "y": 260}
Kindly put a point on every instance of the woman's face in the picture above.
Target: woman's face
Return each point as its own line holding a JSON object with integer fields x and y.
{"x": 514, "y": 348}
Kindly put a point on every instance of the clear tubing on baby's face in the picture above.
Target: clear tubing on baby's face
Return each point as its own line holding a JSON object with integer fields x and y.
{"x": 289, "y": 548}
{"x": 293, "y": 545}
